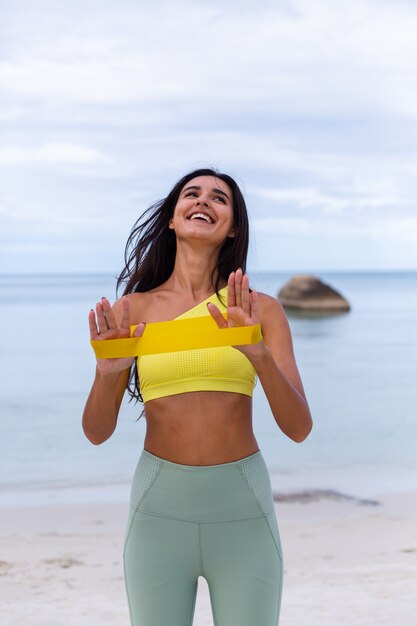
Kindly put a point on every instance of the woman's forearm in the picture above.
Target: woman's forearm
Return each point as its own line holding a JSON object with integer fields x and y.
{"x": 288, "y": 406}
{"x": 102, "y": 406}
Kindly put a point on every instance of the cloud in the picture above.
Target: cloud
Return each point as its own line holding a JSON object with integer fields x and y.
{"x": 51, "y": 153}
{"x": 348, "y": 201}
{"x": 314, "y": 57}
{"x": 395, "y": 231}
{"x": 310, "y": 104}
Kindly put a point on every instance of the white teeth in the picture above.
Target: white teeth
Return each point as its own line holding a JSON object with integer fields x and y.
{"x": 205, "y": 217}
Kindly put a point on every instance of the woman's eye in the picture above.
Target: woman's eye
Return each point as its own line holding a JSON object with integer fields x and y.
{"x": 190, "y": 193}
{"x": 220, "y": 198}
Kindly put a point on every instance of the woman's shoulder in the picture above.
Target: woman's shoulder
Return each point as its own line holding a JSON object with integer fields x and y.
{"x": 149, "y": 306}
{"x": 269, "y": 307}
{"x": 268, "y": 302}
{"x": 141, "y": 304}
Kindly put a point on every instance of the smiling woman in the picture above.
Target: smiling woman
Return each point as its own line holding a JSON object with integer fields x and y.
{"x": 201, "y": 499}
{"x": 151, "y": 249}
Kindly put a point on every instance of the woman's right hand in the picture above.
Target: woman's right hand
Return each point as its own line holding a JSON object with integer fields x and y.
{"x": 103, "y": 325}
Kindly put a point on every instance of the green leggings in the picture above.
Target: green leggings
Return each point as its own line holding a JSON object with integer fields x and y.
{"x": 215, "y": 521}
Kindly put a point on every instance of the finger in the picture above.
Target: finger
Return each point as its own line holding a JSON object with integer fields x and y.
{"x": 92, "y": 324}
{"x": 101, "y": 320}
{"x": 238, "y": 287}
{"x": 110, "y": 319}
{"x": 254, "y": 306}
{"x": 231, "y": 298}
{"x": 125, "y": 321}
{"x": 139, "y": 330}
{"x": 245, "y": 294}
{"x": 216, "y": 315}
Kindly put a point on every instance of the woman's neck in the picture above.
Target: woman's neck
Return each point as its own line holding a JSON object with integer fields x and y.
{"x": 192, "y": 272}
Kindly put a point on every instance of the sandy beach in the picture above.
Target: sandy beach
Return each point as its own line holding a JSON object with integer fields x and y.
{"x": 346, "y": 562}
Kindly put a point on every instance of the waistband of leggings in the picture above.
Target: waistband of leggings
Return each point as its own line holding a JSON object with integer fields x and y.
{"x": 201, "y": 468}
{"x": 236, "y": 490}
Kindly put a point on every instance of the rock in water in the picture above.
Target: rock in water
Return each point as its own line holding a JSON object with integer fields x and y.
{"x": 309, "y": 293}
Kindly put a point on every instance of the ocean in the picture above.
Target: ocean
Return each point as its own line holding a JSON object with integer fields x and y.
{"x": 359, "y": 371}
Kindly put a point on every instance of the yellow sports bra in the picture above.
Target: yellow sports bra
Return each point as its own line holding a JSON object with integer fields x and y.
{"x": 203, "y": 369}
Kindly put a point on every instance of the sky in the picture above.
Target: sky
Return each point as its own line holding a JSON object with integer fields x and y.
{"x": 310, "y": 104}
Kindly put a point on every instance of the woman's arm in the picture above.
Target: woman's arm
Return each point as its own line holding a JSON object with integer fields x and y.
{"x": 278, "y": 373}
{"x": 272, "y": 357}
{"x": 103, "y": 405}
{"x": 112, "y": 375}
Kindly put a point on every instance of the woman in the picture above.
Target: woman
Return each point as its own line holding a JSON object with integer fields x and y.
{"x": 201, "y": 500}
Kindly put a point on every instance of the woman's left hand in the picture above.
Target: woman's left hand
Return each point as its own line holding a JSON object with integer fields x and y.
{"x": 242, "y": 310}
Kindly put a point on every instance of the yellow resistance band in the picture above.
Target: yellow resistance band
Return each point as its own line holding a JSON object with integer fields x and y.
{"x": 176, "y": 335}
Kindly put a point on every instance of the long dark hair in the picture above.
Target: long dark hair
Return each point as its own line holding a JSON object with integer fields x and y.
{"x": 151, "y": 248}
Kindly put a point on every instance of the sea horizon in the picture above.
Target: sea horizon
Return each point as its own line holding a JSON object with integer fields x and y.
{"x": 389, "y": 270}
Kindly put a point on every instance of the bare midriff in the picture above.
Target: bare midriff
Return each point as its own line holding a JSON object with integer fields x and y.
{"x": 200, "y": 428}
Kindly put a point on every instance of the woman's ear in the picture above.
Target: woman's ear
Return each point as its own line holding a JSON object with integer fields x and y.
{"x": 232, "y": 233}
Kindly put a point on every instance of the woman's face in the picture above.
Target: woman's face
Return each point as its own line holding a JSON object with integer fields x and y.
{"x": 204, "y": 210}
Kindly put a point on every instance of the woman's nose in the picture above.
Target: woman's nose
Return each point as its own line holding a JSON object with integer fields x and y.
{"x": 202, "y": 201}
